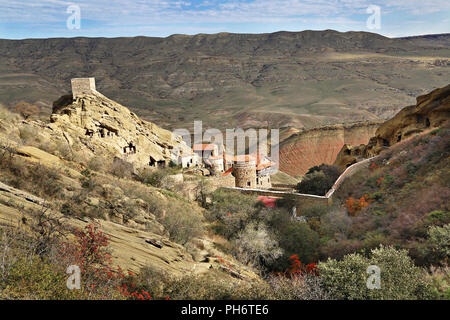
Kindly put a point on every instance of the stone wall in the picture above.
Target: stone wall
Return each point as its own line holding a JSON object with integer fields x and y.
{"x": 284, "y": 185}
{"x": 348, "y": 173}
{"x": 302, "y": 200}
{"x": 82, "y": 86}
{"x": 221, "y": 181}
{"x": 307, "y": 200}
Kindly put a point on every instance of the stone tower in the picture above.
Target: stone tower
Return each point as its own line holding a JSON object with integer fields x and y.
{"x": 81, "y": 86}
{"x": 244, "y": 172}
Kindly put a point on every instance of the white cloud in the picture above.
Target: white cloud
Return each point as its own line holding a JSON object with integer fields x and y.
{"x": 209, "y": 12}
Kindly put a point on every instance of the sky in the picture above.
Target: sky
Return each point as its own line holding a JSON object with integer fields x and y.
{"x": 161, "y": 18}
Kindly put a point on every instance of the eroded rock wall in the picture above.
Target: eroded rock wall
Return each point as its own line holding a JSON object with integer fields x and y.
{"x": 431, "y": 111}
{"x": 309, "y": 148}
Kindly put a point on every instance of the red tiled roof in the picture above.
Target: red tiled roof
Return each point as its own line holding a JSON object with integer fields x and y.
{"x": 258, "y": 158}
{"x": 264, "y": 165}
{"x": 244, "y": 158}
{"x": 202, "y": 147}
{"x": 227, "y": 172}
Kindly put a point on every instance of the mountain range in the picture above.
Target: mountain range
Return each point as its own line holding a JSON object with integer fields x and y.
{"x": 284, "y": 79}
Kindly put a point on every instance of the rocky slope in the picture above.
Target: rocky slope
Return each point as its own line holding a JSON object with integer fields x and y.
{"x": 132, "y": 214}
{"x": 301, "y": 150}
{"x": 431, "y": 111}
{"x": 399, "y": 199}
{"x": 300, "y": 79}
{"x": 92, "y": 125}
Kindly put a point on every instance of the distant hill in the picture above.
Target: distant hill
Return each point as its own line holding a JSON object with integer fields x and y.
{"x": 296, "y": 79}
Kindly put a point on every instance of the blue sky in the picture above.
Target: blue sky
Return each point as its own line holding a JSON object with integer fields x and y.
{"x": 160, "y": 18}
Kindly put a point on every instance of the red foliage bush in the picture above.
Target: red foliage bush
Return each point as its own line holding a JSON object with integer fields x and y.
{"x": 354, "y": 206}
{"x": 297, "y": 268}
{"x": 99, "y": 278}
{"x": 373, "y": 166}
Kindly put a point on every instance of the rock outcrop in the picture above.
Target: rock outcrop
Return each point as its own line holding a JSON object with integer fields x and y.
{"x": 100, "y": 126}
{"x": 431, "y": 111}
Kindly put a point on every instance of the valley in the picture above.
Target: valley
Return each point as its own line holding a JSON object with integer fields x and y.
{"x": 91, "y": 175}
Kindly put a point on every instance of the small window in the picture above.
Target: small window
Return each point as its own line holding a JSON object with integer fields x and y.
{"x": 248, "y": 183}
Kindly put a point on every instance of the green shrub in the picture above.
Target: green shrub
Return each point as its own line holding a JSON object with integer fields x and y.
{"x": 329, "y": 170}
{"x": 225, "y": 203}
{"x": 214, "y": 285}
{"x": 377, "y": 196}
{"x": 400, "y": 279}
{"x": 439, "y": 243}
{"x": 182, "y": 225}
{"x": 315, "y": 211}
{"x": 437, "y": 217}
{"x": 440, "y": 282}
{"x": 154, "y": 178}
{"x": 319, "y": 180}
{"x": 298, "y": 238}
{"x": 36, "y": 279}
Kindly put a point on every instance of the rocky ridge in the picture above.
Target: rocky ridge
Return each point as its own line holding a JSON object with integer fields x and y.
{"x": 431, "y": 111}
{"x": 101, "y": 126}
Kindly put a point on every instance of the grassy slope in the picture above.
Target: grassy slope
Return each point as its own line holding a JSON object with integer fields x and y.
{"x": 408, "y": 189}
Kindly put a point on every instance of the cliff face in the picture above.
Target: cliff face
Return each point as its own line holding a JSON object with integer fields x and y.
{"x": 305, "y": 149}
{"x": 431, "y": 111}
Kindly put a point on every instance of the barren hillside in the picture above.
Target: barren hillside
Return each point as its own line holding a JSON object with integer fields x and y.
{"x": 298, "y": 79}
